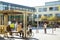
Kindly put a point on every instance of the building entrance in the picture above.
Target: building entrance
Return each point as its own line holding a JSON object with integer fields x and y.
{"x": 15, "y": 17}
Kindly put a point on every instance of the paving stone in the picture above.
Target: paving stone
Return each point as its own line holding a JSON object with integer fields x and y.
{"x": 2, "y": 38}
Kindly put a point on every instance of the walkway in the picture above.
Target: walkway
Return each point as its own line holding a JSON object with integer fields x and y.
{"x": 42, "y": 36}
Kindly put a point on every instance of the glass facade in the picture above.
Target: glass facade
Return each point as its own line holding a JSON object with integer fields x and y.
{"x": 53, "y": 8}
{"x": 1, "y": 7}
{"x": 58, "y": 15}
{"x": 45, "y": 14}
{"x": 39, "y": 16}
{"x": 42, "y": 9}
{"x": 52, "y": 3}
{"x": 1, "y": 19}
{"x": 11, "y": 17}
{"x": 48, "y": 15}
{"x": 7, "y": 6}
{"x": 18, "y": 18}
{"x": 35, "y": 16}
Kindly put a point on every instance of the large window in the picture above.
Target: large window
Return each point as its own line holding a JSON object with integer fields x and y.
{"x": 29, "y": 10}
{"x": 15, "y": 17}
{"x": 1, "y": 7}
{"x": 42, "y": 9}
{"x": 10, "y": 17}
{"x": 39, "y": 16}
{"x": 58, "y": 15}
{"x": 35, "y": 16}
{"x": 17, "y": 8}
{"x": 53, "y": 9}
{"x": 45, "y": 14}
{"x": 20, "y": 8}
{"x": 1, "y": 19}
{"x": 48, "y": 15}
{"x": 5, "y": 7}
{"x": 24, "y": 9}
{"x": 12, "y": 7}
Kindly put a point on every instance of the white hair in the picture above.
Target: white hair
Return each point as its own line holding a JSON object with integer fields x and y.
{"x": 21, "y": 23}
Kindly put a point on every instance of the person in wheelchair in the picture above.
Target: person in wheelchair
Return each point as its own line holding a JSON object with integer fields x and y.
{"x": 29, "y": 30}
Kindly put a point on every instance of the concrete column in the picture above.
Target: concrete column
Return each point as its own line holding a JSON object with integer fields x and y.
{"x": 53, "y": 14}
{"x": 59, "y": 7}
{"x": 48, "y": 9}
{"x": 0, "y": 19}
{"x": 5, "y": 19}
{"x": 25, "y": 24}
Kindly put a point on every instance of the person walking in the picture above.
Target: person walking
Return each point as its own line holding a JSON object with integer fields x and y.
{"x": 45, "y": 26}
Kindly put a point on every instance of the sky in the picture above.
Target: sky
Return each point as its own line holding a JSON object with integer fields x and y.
{"x": 31, "y": 3}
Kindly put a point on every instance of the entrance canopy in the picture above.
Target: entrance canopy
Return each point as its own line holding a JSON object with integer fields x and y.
{"x": 15, "y": 12}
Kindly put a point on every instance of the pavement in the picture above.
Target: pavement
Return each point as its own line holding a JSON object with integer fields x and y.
{"x": 55, "y": 35}
{"x": 2, "y": 38}
{"x": 40, "y": 35}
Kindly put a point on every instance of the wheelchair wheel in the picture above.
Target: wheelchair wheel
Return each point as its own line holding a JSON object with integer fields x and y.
{"x": 31, "y": 34}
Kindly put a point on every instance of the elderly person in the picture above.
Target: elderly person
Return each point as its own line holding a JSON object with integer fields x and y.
{"x": 20, "y": 29}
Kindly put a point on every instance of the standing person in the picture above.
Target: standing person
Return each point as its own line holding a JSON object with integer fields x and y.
{"x": 45, "y": 26}
{"x": 16, "y": 26}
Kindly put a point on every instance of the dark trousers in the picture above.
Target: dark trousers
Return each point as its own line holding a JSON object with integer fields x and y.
{"x": 21, "y": 33}
{"x": 45, "y": 30}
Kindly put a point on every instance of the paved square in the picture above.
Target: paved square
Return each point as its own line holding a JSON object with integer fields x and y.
{"x": 41, "y": 35}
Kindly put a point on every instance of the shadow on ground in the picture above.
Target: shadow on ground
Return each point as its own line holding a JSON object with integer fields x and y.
{"x": 10, "y": 38}
{"x": 2, "y": 38}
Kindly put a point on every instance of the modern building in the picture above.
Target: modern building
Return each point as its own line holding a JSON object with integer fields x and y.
{"x": 13, "y": 11}
{"x": 10, "y": 11}
{"x": 49, "y": 9}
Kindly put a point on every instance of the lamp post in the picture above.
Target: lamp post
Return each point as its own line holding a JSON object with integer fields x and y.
{"x": 37, "y": 24}
{"x": 32, "y": 19}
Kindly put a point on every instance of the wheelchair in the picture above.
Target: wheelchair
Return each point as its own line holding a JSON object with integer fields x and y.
{"x": 30, "y": 33}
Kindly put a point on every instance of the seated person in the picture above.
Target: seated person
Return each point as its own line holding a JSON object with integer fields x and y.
{"x": 29, "y": 29}
{"x": 12, "y": 26}
{"x": 19, "y": 29}
{"x": 8, "y": 30}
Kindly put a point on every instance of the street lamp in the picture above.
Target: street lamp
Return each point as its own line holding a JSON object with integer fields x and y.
{"x": 37, "y": 23}
{"x": 32, "y": 19}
